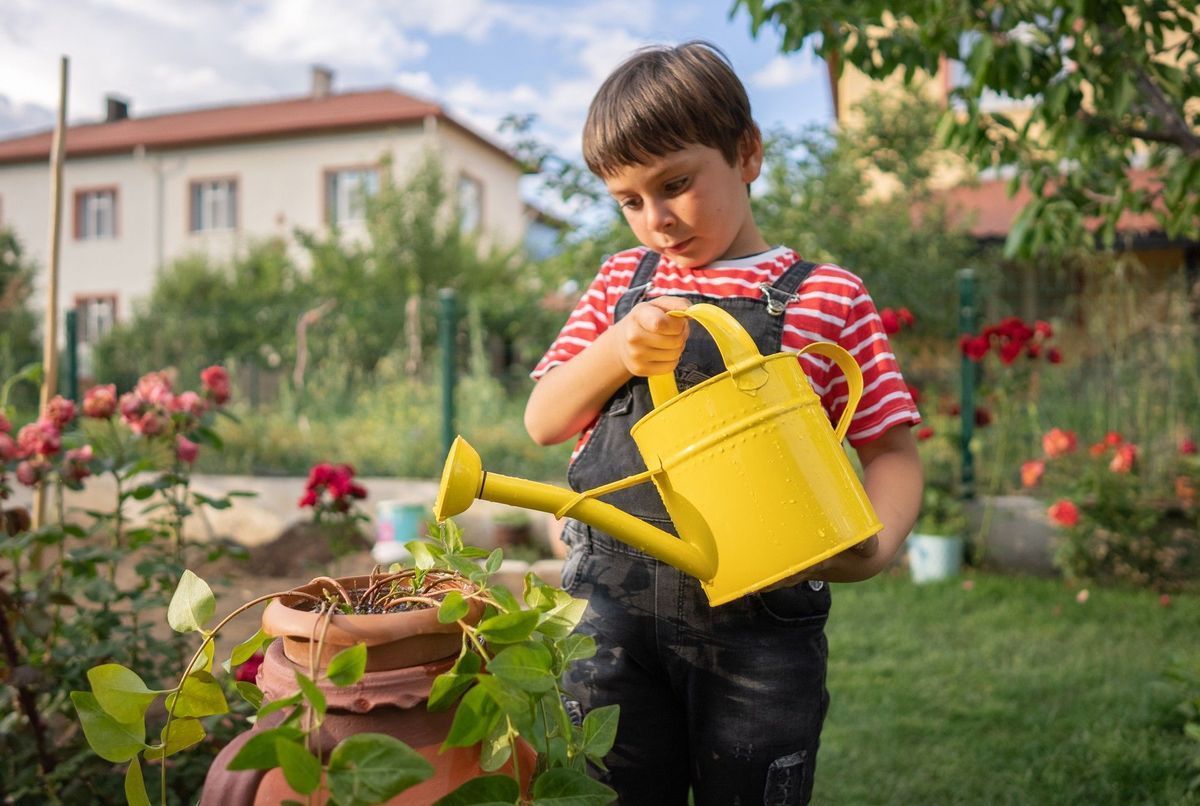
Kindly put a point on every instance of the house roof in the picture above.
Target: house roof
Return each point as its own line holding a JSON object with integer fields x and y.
{"x": 293, "y": 117}
{"x": 989, "y": 212}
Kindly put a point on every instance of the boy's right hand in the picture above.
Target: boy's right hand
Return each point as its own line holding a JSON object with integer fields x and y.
{"x": 649, "y": 342}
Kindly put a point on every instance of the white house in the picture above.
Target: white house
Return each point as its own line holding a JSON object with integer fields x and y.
{"x": 138, "y": 192}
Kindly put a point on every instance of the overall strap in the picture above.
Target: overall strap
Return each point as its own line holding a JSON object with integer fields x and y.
{"x": 784, "y": 289}
{"x": 637, "y": 284}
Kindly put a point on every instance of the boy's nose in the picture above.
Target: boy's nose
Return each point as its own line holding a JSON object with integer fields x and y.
{"x": 659, "y": 216}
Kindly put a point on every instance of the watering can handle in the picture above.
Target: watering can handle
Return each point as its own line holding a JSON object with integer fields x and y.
{"x": 853, "y": 373}
{"x": 735, "y": 344}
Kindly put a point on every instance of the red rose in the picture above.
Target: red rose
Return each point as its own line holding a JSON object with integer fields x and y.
{"x": 1113, "y": 438}
{"x": 1031, "y": 472}
{"x": 1010, "y": 351}
{"x": 100, "y": 402}
{"x": 248, "y": 671}
{"x": 1058, "y": 442}
{"x": 1187, "y": 447}
{"x": 891, "y": 321}
{"x": 149, "y": 424}
{"x": 309, "y": 499}
{"x": 906, "y": 317}
{"x": 8, "y": 447}
{"x": 191, "y": 404}
{"x": 131, "y": 407}
{"x": 75, "y": 464}
{"x": 30, "y": 473}
{"x": 358, "y": 491}
{"x": 1043, "y": 329}
{"x": 924, "y": 434}
{"x": 974, "y": 347}
{"x": 319, "y": 475}
{"x": 1064, "y": 513}
{"x": 339, "y": 484}
{"x": 40, "y": 438}
{"x": 216, "y": 384}
{"x": 1054, "y": 356}
{"x": 155, "y": 389}
{"x": 5, "y": 425}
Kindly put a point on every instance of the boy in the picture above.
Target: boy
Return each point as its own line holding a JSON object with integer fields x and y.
{"x": 726, "y": 700}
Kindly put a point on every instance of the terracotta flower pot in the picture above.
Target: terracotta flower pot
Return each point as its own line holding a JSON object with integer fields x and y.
{"x": 389, "y": 702}
{"x": 394, "y": 640}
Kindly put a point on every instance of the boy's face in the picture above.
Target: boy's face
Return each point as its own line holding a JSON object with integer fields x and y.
{"x": 691, "y": 205}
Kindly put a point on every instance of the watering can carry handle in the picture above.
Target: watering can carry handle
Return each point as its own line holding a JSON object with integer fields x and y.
{"x": 853, "y": 373}
{"x": 735, "y": 344}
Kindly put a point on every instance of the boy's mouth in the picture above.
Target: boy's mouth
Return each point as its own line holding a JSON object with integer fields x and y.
{"x": 678, "y": 247}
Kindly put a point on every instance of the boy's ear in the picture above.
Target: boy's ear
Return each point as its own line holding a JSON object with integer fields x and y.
{"x": 750, "y": 155}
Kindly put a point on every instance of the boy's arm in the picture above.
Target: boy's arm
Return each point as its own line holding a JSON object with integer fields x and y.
{"x": 568, "y": 397}
{"x": 894, "y": 482}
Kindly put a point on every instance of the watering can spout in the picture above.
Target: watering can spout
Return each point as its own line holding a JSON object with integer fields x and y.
{"x": 464, "y": 480}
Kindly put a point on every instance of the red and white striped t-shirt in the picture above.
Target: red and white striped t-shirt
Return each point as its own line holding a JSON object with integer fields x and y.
{"x": 832, "y": 305}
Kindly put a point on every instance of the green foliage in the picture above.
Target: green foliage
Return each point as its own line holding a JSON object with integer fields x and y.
{"x": 202, "y": 312}
{"x": 19, "y": 342}
{"x": 816, "y": 199}
{"x": 1106, "y": 86}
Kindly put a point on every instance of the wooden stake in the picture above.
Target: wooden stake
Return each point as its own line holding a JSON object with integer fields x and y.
{"x": 50, "y": 337}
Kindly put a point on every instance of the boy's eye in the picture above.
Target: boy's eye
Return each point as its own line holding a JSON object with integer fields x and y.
{"x": 676, "y": 185}
{"x": 630, "y": 204}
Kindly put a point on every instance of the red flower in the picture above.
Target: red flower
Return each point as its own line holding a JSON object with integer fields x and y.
{"x": 1043, "y": 329}
{"x": 891, "y": 321}
{"x": 185, "y": 449}
{"x": 319, "y": 475}
{"x": 358, "y": 491}
{"x": 1124, "y": 459}
{"x": 983, "y": 417}
{"x": 191, "y": 404}
{"x": 100, "y": 402}
{"x": 131, "y": 407}
{"x": 8, "y": 447}
{"x": 1054, "y": 356}
{"x": 1058, "y": 442}
{"x": 30, "y": 473}
{"x": 149, "y": 424}
{"x": 155, "y": 389}
{"x": 1098, "y": 449}
{"x": 248, "y": 671}
{"x": 59, "y": 412}
{"x": 5, "y": 425}
{"x": 1033, "y": 349}
{"x": 906, "y": 317}
{"x": 1010, "y": 351}
{"x": 309, "y": 499}
{"x": 1064, "y": 513}
{"x": 1187, "y": 447}
{"x": 924, "y": 434}
{"x": 915, "y": 394}
{"x": 1113, "y": 438}
{"x": 974, "y": 347}
{"x": 1031, "y": 472}
{"x": 216, "y": 384}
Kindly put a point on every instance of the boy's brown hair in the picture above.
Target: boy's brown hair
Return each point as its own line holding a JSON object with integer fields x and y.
{"x": 662, "y": 99}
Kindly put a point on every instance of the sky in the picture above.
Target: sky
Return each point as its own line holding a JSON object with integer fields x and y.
{"x": 480, "y": 59}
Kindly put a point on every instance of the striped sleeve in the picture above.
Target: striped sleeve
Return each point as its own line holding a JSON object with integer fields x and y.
{"x": 593, "y": 313}
{"x": 834, "y": 306}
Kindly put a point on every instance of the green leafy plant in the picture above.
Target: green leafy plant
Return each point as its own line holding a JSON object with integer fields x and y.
{"x": 506, "y": 683}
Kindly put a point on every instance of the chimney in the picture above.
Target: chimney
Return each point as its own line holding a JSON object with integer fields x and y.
{"x": 322, "y": 81}
{"x": 115, "y": 108}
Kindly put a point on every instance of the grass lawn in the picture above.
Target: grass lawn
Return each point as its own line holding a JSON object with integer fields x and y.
{"x": 1006, "y": 690}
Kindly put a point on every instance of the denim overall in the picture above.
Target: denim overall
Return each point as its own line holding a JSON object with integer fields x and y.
{"x": 727, "y": 699}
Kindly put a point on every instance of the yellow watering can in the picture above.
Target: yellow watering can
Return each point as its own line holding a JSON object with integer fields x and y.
{"x": 751, "y": 473}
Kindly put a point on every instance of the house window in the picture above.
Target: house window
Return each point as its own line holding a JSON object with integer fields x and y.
{"x": 96, "y": 214}
{"x": 470, "y": 203}
{"x": 213, "y": 205}
{"x": 347, "y": 191}
{"x": 95, "y": 315}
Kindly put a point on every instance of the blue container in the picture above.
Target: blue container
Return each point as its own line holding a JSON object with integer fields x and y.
{"x": 396, "y": 523}
{"x": 934, "y": 557}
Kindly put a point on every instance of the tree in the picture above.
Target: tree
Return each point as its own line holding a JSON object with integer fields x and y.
{"x": 1109, "y": 88}
{"x": 816, "y": 198}
{"x": 19, "y": 342}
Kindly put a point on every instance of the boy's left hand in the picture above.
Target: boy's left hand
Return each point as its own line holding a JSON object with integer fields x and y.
{"x": 865, "y": 549}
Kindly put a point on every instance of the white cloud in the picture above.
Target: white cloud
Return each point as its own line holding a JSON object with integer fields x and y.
{"x": 419, "y": 83}
{"x": 784, "y": 71}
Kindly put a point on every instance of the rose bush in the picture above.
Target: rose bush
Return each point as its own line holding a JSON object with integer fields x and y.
{"x": 1118, "y": 525}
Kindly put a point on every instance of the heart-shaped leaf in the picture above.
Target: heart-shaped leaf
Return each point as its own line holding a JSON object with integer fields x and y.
{"x": 121, "y": 692}
{"x": 372, "y": 767}
{"x": 300, "y": 767}
{"x": 112, "y": 740}
{"x": 526, "y": 666}
{"x": 348, "y": 666}
{"x": 192, "y": 605}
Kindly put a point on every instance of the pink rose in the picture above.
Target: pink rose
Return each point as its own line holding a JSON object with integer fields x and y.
{"x": 100, "y": 402}
{"x": 1058, "y": 442}
{"x": 1031, "y": 473}
{"x": 1187, "y": 447}
{"x": 149, "y": 424}
{"x": 40, "y": 438}
{"x": 216, "y": 384}
{"x": 155, "y": 389}
{"x": 30, "y": 473}
{"x": 309, "y": 499}
{"x": 185, "y": 449}
{"x": 8, "y": 447}
{"x": 191, "y": 404}
{"x": 1124, "y": 459}
{"x": 75, "y": 464}
{"x": 5, "y": 425}
{"x": 131, "y": 408}
{"x": 59, "y": 412}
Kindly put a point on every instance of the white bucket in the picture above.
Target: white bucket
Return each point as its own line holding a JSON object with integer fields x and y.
{"x": 934, "y": 557}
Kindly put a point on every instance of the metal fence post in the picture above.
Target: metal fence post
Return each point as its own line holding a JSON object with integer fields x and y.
{"x": 446, "y": 336}
{"x": 72, "y": 346}
{"x": 968, "y": 321}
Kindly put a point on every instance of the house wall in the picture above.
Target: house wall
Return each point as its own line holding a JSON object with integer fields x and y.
{"x": 280, "y": 186}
